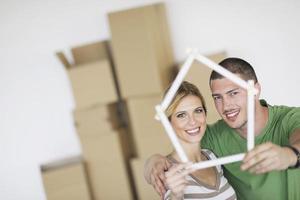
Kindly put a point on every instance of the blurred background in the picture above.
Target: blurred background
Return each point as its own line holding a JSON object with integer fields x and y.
{"x": 79, "y": 81}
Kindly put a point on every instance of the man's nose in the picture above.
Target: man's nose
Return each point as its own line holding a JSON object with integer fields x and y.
{"x": 226, "y": 103}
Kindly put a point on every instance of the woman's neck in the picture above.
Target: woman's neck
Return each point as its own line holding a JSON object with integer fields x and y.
{"x": 193, "y": 152}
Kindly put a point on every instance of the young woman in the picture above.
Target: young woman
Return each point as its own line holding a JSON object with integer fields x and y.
{"x": 187, "y": 114}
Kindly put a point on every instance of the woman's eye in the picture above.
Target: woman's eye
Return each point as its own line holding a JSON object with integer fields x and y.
{"x": 180, "y": 115}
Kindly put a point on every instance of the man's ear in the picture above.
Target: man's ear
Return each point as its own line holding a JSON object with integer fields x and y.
{"x": 258, "y": 87}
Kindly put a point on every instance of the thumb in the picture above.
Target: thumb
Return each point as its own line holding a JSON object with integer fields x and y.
{"x": 189, "y": 167}
{"x": 168, "y": 164}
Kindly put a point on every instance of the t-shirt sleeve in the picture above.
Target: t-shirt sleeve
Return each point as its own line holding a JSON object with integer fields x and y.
{"x": 291, "y": 121}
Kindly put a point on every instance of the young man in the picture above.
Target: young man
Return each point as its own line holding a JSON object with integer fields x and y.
{"x": 269, "y": 171}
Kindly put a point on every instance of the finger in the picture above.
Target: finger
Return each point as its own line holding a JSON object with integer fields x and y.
{"x": 176, "y": 172}
{"x": 156, "y": 185}
{"x": 177, "y": 177}
{"x": 159, "y": 168}
{"x": 178, "y": 192}
{"x": 162, "y": 197}
{"x": 174, "y": 169}
{"x": 180, "y": 188}
{"x": 159, "y": 184}
{"x": 259, "y": 159}
{"x": 168, "y": 165}
{"x": 176, "y": 183}
{"x": 156, "y": 175}
{"x": 162, "y": 177}
{"x": 157, "y": 190}
{"x": 257, "y": 150}
{"x": 256, "y": 155}
{"x": 152, "y": 180}
{"x": 266, "y": 165}
{"x": 189, "y": 167}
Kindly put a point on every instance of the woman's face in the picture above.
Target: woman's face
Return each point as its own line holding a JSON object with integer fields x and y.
{"x": 189, "y": 119}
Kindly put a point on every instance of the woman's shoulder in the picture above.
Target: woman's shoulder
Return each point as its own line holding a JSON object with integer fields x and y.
{"x": 209, "y": 154}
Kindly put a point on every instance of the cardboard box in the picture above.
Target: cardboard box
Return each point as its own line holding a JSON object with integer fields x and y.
{"x": 97, "y": 119}
{"x": 65, "y": 181}
{"x": 91, "y": 52}
{"x": 144, "y": 190}
{"x": 199, "y": 75}
{"x": 148, "y": 133}
{"x": 127, "y": 143}
{"x": 92, "y": 84}
{"x": 141, "y": 49}
{"x": 92, "y": 74}
{"x": 106, "y": 166}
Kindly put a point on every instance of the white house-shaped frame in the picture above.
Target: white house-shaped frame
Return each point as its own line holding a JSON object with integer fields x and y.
{"x": 160, "y": 110}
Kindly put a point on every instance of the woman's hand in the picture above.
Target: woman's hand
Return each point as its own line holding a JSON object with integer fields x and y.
{"x": 176, "y": 179}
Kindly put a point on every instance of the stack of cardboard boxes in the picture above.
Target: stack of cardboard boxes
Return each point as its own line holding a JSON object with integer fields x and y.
{"x": 98, "y": 127}
{"x": 115, "y": 103}
{"x": 97, "y": 122}
{"x": 144, "y": 61}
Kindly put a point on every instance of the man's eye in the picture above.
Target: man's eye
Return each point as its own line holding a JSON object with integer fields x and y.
{"x": 199, "y": 110}
{"x": 233, "y": 93}
{"x": 216, "y": 98}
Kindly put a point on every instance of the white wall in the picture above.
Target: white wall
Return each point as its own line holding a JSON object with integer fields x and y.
{"x": 35, "y": 97}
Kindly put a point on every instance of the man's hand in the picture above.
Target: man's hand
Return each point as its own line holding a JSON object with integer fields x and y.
{"x": 268, "y": 157}
{"x": 154, "y": 172}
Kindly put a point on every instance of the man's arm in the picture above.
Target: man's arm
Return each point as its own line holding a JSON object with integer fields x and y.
{"x": 154, "y": 172}
{"x": 268, "y": 157}
{"x": 295, "y": 139}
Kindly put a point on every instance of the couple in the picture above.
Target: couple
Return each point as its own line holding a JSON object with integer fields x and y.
{"x": 269, "y": 171}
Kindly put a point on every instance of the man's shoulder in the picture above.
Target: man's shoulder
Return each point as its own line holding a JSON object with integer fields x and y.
{"x": 279, "y": 111}
{"x": 218, "y": 124}
{"x": 278, "y": 108}
{"x": 217, "y": 127}
{"x": 284, "y": 108}
{"x": 215, "y": 136}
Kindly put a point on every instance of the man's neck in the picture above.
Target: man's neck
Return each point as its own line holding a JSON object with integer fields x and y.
{"x": 261, "y": 120}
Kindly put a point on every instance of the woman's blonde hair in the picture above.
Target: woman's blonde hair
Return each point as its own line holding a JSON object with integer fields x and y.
{"x": 186, "y": 88}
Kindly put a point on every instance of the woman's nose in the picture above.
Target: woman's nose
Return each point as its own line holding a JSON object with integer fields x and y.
{"x": 192, "y": 120}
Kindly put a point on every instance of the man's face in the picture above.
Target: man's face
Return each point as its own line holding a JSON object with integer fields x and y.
{"x": 231, "y": 102}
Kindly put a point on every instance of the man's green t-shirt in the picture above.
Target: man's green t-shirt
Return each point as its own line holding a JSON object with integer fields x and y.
{"x": 276, "y": 185}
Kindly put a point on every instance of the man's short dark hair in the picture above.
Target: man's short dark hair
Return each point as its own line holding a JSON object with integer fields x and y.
{"x": 236, "y": 66}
